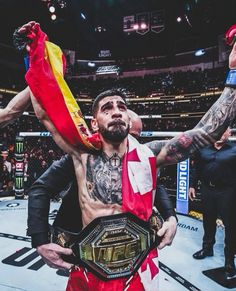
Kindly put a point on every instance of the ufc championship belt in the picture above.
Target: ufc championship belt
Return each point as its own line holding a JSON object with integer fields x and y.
{"x": 111, "y": 246}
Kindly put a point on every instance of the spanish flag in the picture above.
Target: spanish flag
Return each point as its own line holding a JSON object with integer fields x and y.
{"x": 45, "y": 78}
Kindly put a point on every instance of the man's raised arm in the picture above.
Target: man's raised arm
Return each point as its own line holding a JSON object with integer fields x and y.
{"x": 15, "y": 107}
{"x": 211, "y": 126}
{"x": 45, "y": 120}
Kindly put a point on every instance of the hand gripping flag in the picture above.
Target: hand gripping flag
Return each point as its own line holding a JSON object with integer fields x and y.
{"x": 230, "y": 35}
{"x": 45, "y": 78}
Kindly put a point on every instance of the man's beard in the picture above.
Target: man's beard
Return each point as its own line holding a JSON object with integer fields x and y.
{"x": 117, "y": 134}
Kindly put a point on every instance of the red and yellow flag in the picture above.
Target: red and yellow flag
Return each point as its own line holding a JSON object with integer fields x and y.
{"x": 45, "y": 78}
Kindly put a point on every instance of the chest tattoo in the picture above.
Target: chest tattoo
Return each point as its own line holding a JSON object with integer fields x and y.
{"x": 104, "y": 178}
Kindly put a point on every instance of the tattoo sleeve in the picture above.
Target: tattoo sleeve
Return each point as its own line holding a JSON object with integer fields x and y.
{"x": 209, "y": 129}
{"x": 156, "y": 145}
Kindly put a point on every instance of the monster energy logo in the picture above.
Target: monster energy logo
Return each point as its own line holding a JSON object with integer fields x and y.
{"x": 19, "y": 182}
{"x": 19, "y": 147}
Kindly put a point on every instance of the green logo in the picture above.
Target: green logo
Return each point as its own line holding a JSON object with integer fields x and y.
{"x": 19, "y": 182}
{"x": 19, "y": 147}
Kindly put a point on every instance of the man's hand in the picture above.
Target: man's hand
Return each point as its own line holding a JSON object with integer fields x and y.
{"x": 167, "y": 232}
{"x": 192, "y": 193}
{"x": 232, "y": 57}
{"x": 23, "y": 36}
{"x": 51, "y": 254}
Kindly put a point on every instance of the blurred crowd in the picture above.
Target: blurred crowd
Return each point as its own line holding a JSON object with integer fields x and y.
{"x": 199, "y": 90}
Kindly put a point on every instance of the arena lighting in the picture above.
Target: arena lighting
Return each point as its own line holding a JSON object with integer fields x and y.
{"x": 199, "y": 53}
{"x": 53, "y": 17}
{"x": 62, "y": 3}
{"x": 100, "y": 28}
{"x": 187, "y": 20}
{"x": 136, "y": 26}
{"x": 143, "y": 25}
{"x": 179, "y": 19}
{"x": 91, "y": 64}
{"x": 51, "y": 8}
{"x": 83, "y": 15}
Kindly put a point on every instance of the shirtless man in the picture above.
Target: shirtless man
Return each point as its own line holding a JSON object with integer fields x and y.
{"x": 99, "y": 175}
{"x": 97, "y": 194}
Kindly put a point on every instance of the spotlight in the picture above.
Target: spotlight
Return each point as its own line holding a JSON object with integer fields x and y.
{"x": 199, "y": 53}
{"x": 52, "y": 9}
{"x": 53, "y": 17}
{"x": 83, "y": 15}
{"x": 179, "y": 19}
{"x": 136, "y": 26}
{"x": 91, "y": 64}
{"x": 100, "y": 28}
{"x": 187, "y": 19}
{"x": 143, "y": 25}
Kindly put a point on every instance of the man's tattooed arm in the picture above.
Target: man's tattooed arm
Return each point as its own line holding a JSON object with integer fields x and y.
{"x": 156, "y": 145}
{"x": 207, "y": 131}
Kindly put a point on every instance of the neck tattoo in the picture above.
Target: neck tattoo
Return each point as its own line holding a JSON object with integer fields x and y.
{"x": 114, "y": 160}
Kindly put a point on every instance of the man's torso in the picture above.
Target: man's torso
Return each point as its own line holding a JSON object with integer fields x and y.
{"x": 99, "y": 186}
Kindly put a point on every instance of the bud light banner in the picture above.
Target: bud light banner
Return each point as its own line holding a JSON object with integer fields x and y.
{"x": 182, "y": 187}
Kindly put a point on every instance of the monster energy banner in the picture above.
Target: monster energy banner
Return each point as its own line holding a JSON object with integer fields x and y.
{"x": 19, "y": 148}
{"x": 19, "y": 174}
{"x": 19, "y": 185}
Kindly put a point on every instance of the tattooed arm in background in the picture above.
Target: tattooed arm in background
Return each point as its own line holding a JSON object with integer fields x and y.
{"x": 207, "y": 131}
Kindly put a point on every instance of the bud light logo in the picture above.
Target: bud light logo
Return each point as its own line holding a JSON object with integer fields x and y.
{"x": 182, "y": 186}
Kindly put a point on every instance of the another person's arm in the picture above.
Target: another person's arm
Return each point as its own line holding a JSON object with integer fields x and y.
{"x": 46, "y": 187}
{"x": 206, "y": 132}
{"x": 164, "y": 205}
{"x": 15, "y": 107}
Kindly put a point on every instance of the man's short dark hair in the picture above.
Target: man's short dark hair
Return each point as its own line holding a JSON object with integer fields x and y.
{"x": 111, "y": 92}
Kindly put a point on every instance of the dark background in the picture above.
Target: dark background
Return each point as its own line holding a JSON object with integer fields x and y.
{"x": 207, "y": 19}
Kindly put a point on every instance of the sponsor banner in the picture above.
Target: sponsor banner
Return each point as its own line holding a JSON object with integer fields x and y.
{"x": 19, "y": 148}
{"x": 146, "y": 134}
{"x": 104, "y": 54}
{"x": 19, "y": 175}
{"x": 182, "y": 187}
{"x": 29, "y": 134}
{"x": 45, "y": 133}
{"x": 107, "y": 70}
{"x": 128, "y": 23}
{"x": 143, "y": 21}
{"x": 157, "y": 21}
{"x": 19, "y": 166}
{"x": 19, "y": 184}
